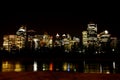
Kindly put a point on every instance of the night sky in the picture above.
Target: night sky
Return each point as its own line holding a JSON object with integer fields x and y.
{"x": 61, "y": 22}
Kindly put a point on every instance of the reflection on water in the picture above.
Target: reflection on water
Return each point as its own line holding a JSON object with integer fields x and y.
{"x": 18, "y": 67}
{"x": 92, "y": 68}
{"x": 113, "y": 64}
{"x": 83, "y": 66}
{"x": 45, "y": 67}
{"x": 35, "y": 66}
{"x": 10, "y": 66}
{"x": 51, "y": 67}
{"x": 69, "y": 67}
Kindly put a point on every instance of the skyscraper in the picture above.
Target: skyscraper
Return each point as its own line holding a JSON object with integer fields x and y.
{"x": 92, "y": 33}
{"x": 84, "y": 38}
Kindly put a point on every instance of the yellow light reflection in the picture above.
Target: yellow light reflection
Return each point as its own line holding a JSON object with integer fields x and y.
{"x": 7, "y": 66}
{"x": 65, "y": 67}
{"x": 18, "y": 67}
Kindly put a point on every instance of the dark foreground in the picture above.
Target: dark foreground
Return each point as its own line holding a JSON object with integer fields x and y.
{"x": 56, "y": 76}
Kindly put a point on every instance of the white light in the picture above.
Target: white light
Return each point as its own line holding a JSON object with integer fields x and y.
{"x": 35, "y": 39}
{"x": 22, "y": 30}
{"x": 107, "y": 72}
{"x": 57, "y": 35}
{"x": 96, "y": 52}
{"x": 76, "y": 39}
{"x": 106, "y": 32}
{"x": 80, "y": 51}
{"x": 36, "y": 44}
{"x": 113, "y": 49}
{"x": 64, "y": 35}
{"x": 100, "y": 68}
{"x": 35, "y": 66}
{"x": 113, "y": 65}
{"x": 43, "y": 67}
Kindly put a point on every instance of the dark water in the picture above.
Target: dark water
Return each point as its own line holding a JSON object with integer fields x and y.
{"x": 106, "y": 67}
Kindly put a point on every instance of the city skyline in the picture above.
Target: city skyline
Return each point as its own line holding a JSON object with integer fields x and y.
{"x": 35, "y": 40}
{"x": 57, "y": 22}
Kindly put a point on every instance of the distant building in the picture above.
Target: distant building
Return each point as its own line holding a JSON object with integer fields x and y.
{"x": 104, "y": 36}
{"x": 22, "y": 31}
{"x": 114, "y": 42}
{"x": 92, "y": 34}
{"x": 104, "y": 40}
{"x": 46, "y": 39}
{"x": 21, "y": 35}
{"x": 13, "y": 42}
{"x": 30, "y": 39}
{"x": 57, "y": 41}
{"x": 84, "y": 38}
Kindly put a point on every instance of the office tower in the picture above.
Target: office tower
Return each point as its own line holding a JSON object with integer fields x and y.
{"x": 92, "y": 34}
{"x": 21, "y": 36}
{"x": 104, "y": 40}
{"x": 113, "y": 43}
{"x": 84, "y": 39}
{"x": 13, "y": 42}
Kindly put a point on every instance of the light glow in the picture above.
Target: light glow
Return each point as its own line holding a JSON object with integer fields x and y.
{"x": 35, "y": 66}
{"x": 106, "y": 32}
